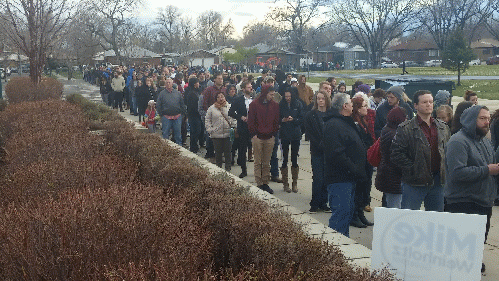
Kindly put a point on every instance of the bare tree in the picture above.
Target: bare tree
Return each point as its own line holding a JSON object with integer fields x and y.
{"x": 492, "y": 23}
{"x": 374, "y": 24}
{"x": 442, "y": 17}
{"x": 261, "y": 32}
{"x": 296, "y": 16}
{"x": 107, "y": 19}
{"x": 169, "y": 20}
{"x": 33, "y": 26}
{"x": 212, "y": 31}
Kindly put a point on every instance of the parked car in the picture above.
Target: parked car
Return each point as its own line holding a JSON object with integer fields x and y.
{"x": 389, "y": 65}
{"x": 476, "y": 62}
{"x": 433, "y": 63}
{"x": 493, "y": 60}
{"x": 409, "y": 63}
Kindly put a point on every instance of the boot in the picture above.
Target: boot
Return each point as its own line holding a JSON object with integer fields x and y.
{"x": 244, "y": 172}
{"x": 294, "y": 175}
{"x": 284, "y": 175}
{"x": 356, "y": 221}
{"x": 362, "y": 217}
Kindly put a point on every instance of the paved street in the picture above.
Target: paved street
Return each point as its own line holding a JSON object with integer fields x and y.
{"x": 301, "y": 199}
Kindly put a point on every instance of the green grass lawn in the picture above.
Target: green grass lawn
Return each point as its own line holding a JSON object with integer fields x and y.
{"x": 474, "y": 70}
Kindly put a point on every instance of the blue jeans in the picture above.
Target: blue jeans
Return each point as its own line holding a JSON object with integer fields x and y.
{"x": 133, "y": 106}
{"x": 393, "y": 200}
{"x": 195, "y": 126}
{"x": 176, "y": 125}
{"x": 274, "y": 162}
{"x": 432, "y": 196}
{"x": 342, "y": 203}
{"x": 319, "y": 191}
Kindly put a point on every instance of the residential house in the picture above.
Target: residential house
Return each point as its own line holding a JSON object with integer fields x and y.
{"x": 129, "y": 55}
{"x": 356, "y": 58}
{"x": 418, "y": 51}
{"x": 202, "y": 58}
{"x": 485, "y": 48}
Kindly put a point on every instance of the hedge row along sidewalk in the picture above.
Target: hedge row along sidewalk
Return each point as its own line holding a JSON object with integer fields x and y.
{"x": 122, "y": 205}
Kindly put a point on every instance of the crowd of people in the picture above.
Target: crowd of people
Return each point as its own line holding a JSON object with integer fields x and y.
{"x": 429, "y": 153}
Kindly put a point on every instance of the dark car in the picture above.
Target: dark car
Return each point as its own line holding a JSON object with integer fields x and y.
{"x": 493, "y": 60}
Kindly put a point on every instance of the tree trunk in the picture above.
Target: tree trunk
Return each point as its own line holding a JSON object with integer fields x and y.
{"x": 35, "y": 67}
{"x": 459, "y": 75}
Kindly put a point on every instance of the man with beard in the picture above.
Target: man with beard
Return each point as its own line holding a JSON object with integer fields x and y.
{"x": 471, "y": 166}
{"x": 393, "y": 99}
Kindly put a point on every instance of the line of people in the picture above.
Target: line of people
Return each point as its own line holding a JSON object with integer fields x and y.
{"x": 428, "y": 154}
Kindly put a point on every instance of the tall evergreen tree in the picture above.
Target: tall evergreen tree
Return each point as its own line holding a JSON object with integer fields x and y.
{"x": 457, "y": 54}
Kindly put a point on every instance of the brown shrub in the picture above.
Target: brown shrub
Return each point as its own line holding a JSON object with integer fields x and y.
{"x": 20, "y": 89}
{"x": 96, "y": 234}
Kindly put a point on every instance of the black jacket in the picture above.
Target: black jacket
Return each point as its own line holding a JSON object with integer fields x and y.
{"x": 314, "y": 128}
{"x": 238, "y": 110}
{"x": 344, "y": 152}
{"x": 290, "y": 130}
{"x": 382, "y": 113}
{"x": 143, "y": 94}
{"x": 191, "y": 98}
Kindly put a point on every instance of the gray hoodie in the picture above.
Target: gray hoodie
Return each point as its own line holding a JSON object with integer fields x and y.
{"x": 467, "y": 157}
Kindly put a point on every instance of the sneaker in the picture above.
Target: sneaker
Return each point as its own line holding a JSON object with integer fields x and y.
{"x": 313, "y": 210}
{"x": 251, "y": 160}
{"x": 266, "y": 187}
{"x": 276, "y": 179}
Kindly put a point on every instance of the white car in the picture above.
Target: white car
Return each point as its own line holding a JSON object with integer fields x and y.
{"x": 389, "y": 65}
{"x": 476, "y": 62}
{"x": 433, "y": 63}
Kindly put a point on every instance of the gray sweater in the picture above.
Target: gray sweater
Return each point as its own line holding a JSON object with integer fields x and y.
{"x": 170, "y": 103}
{"x": 467, "y": 157}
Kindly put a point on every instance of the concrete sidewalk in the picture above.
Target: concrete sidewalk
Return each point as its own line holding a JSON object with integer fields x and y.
{"x": 301, "y": 199}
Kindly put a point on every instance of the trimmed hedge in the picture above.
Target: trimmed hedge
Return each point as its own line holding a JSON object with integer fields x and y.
{"x": 126, "y": 206}
{"x": 21, "y": 89}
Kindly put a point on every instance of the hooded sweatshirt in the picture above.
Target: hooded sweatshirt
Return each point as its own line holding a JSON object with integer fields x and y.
{"x": 467, "y": 157}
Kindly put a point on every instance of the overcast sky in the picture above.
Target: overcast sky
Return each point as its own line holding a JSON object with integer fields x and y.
{"x": 240, "y": 11}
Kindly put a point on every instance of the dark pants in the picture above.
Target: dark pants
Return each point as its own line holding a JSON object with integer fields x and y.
{"x": 223, "y": 150}
{"x": 274, "y": 162}
{"x": 471, "y": 208}
{"x": 319, "y": 190}
{"x": 295, "y": 147}
{"x": 195, "y": 125}
{"x": 118, "y": 100}
{"x": 244, "y": 142}
{"x": 110, "y": 98}
{"x": 363, "y": 190}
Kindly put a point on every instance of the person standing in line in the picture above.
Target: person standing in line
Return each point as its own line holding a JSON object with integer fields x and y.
{"x": 191, "y": 99}
{"x": 344, "y": 161}
{"x": 150, "y": 116}
{"x": 418, "y": 148}
{"x": 291, "y": 114}
{"x": 239, "y": 111}
{"x": 471, "y": 96}
{"x": 472, "y": 167}
{"x": 456, "y": 121}
{"x": 118, "y": 85}
{"x": 389, "y": 175}
{"x": 306, "y": 94}
{"x": 209, "y": 98}
{"x": 144, "y": 94}
{"x": 218, "y": 126}
{"x": 362, "y": 187}
{"x": 314, "y": 127}
{"x": 394, "y": 98}
{"x": 170, "y": 107}
{"x": 263, "y": 124}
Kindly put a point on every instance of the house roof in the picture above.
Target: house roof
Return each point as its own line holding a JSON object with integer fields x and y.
{"x": 332, "y": 48}
{"x": 133, "y": 52}
{"x": 171, "y": 55}
{"x": 485, "y": 43}
{"x": 262, "y": 47}
{"x": 414, "y": 45}
{"x": 201, "y": 53}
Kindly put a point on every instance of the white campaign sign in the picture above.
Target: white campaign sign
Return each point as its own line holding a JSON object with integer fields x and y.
{"x": 419, "y": 245}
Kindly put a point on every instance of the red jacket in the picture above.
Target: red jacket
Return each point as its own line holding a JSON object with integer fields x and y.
{"x": 263, "y": 118}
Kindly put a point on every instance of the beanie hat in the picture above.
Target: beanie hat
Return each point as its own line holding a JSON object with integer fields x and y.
{"x": 366, "y": 89}
{"x": 396, "y": 116}
{"x": 397, "y": 91}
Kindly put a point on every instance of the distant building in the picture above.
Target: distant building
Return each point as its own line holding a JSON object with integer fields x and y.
{"x": 356, "y": 58}
{"x": 485, "y": 48}
{"x": 129, "y": 55}
{"x": 418, "y": 51}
